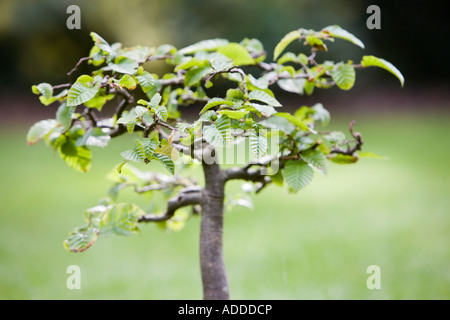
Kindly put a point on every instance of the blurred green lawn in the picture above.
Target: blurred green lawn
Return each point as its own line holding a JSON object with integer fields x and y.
{"x": 314, "y": 245}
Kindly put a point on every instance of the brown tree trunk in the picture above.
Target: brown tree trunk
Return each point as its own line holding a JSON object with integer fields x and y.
{"x": 212, "y": 263}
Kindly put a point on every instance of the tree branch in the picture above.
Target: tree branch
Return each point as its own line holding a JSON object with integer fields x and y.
{"x": 358, "y": 143}
{"x": 77, "y": 65}
{"x": 186, "y": 197}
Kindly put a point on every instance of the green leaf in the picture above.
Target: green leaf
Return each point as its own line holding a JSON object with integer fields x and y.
{"x": 343, "y": 159}
{"x": 205, "y": 45}
{"x": 134, "y": 155}
{"x": 94, "y": 137}
{"x": 237, "y": 53}
{"x": 83, "y": 90}
{"x": 64, "y": 114}
{"x": 234, "y": 114}
{"x": 155, "y": 100}
{"x": 139, "y": 54}
{"x": 344, "y": 76}
{"x": 370, "y": 155}
{"x": 321, "y": 114}
{"x": 121, "y": 219}
{"x": 39, "y": 130}
{"x": 193, "y": 62}
{"x": 287, "y": 39}
{"x": 265, "y": 110}
{"x": 288, "y": 57}
{"x": 261, "y": 83}
{"x": 123, "y": 65}
{"x": 219, "y": 133}
{"x": 297, "y": 174}
{"x": 292, "y": 85}
{"x": 264, "y": 97}
{"x": 277, "y": 178}
{"x": 316, "y": 42}
{"x": 81, "y": 239}
{"x": 258, "y": 144}
{"x": 294, "y": 120}
{"x": 277, "y": 123}
{"x": 316, "y": 159}
{"x": 128, "y": 82}
{"x": 166, "y": 161}
{"x": 372, "y": 61}
{"x": 78, "y": 158}
{"x": 214, "y": 102}
{"x": 161, "y": 112}
{"x": 337, "y": 32}
{"x": 235, "y": 95}
{"x": 44, "y": 89}
{"x": 220, "y": 62}
{"x": 101, "y": 43}
{"x": 146, "y": 81}
{"x": 193, "y": 76}
{"x": 99, "y": 101}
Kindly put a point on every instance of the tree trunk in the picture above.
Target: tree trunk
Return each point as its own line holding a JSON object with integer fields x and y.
{"x": 212, "y": 264}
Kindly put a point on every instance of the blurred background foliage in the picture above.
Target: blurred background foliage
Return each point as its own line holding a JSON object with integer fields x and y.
{"x": 35, "y": 44}
{"x": 393, "y": 213}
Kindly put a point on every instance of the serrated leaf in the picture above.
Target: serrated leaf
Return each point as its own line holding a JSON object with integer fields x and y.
{"x": 133, "y": 155}
{"x": 121, "y": 220}
{"x": 155, "y": 100}
{"x": 343, "y": 159}
{"x": 292, "y": 85}
{"x": 193, "y": 76}
{"x": 82, "y": 91}
{"x": 236, "y": 53}
{"x": 372, "y": 61}
{"x": 265, "y": 110}
{"x": 39, "y": 130}
{"x": 235, "y": 95}
{"x": 219, "y": 133}
{"x": 205, "y": 45}
{"x": 234, "y": 114}
{"x": 294, "y": 120}
{"x": 64, "y": 114}
{"x": 264, "y": 97}
{"x": 344, "y": 76}
{"x": 214, "y": 102}
{"x": 220, "y": 62}
{"x": 337, "y": 32}
{"x": 287, "y": 39}
{"x": 316, "y": 159}
{"x": 166, "y": 161}
{"x": 44, "y": 89}
{"x": 146, "y": 81}
{"x": 258, "y": 144}
{"x": 297, "y": 174}
{"x": 261, "y": 83}
{"x": 123, "y": 65}
{"x": 128, "y": 82}
{"x": 81, "y": 239}
{"x": 78, "y": 158}
{"x": 94, "y": 137}
{"x": 101, "y": 43}
{"x": 161, "y": 112}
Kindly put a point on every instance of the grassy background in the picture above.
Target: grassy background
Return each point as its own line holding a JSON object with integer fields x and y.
{"x": 316, "y": 244}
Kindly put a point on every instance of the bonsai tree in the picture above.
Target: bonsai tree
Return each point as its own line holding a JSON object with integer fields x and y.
{"x": 238, "y": 118}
